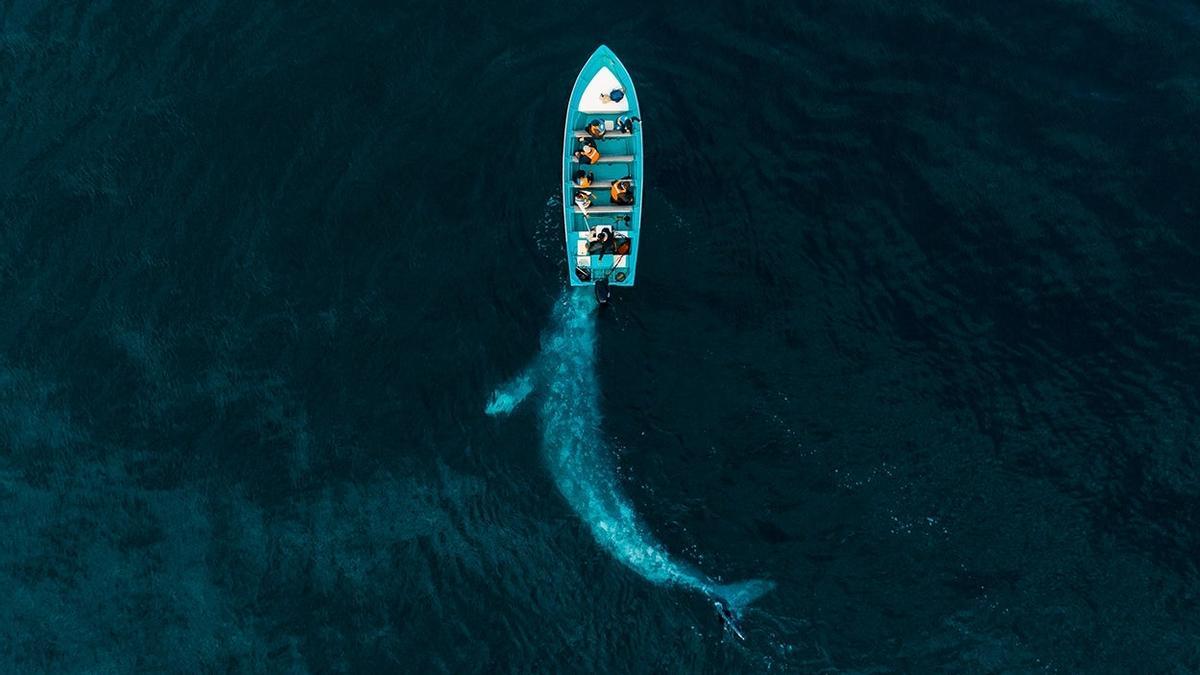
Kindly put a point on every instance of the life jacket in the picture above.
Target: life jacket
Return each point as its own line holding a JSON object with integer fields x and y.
{"x": 584, "y": 181}
{"x": 591, "y": 153}
{"x": 595, "y": 129}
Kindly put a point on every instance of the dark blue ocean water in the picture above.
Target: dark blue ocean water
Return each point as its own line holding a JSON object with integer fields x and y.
{"x": 915, "y": 335}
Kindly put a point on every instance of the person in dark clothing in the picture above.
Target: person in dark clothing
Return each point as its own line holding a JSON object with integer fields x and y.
{"x": 614, "y": 96}
{"x": 583, "y": 178}
{"x": 624, "y": 123}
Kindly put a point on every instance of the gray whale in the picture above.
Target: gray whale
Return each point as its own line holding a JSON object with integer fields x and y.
{"x": 580, "y": 462}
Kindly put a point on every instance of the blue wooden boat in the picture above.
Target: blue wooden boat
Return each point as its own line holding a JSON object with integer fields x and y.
{"x": 601, "y": 231}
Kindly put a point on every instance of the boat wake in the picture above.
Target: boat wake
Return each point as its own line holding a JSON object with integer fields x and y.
{"x": 564, "y": 373}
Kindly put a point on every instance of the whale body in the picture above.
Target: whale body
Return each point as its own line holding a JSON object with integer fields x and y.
{"x": 581, "y": 463}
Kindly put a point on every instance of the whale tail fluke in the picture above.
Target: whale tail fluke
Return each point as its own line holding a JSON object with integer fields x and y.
{"x": 506, "y": 399}
{"x": 740, "y": 594}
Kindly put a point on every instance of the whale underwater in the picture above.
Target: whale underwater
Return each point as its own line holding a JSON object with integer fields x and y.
{"x": 581, "y": 463}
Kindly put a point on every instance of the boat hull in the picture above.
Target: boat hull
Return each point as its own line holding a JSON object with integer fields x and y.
{"x": 621, "y": 157}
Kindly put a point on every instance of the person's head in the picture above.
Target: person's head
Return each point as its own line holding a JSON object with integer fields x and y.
{"x": 579, "y": 175}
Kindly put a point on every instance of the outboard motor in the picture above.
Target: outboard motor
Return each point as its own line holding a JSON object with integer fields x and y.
{"x": 602, "y": 292}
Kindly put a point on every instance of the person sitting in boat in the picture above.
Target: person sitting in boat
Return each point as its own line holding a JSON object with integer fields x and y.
{"x": 613, "y": 96}
{"x": 588, "y": 153}
{"x": 595, "y": 129}
{"x": 601, "y": 243}
{"x": 622, "y": 191}
{"x": 624, "y": 123}
{"x": 584, "y": 199}
{"x": 583, "y": 178}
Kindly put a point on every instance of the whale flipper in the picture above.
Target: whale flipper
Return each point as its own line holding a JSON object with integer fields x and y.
{"x": 506, "y": 399}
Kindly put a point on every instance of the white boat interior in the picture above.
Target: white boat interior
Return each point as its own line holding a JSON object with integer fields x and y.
{"x": 595, "y": 94}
